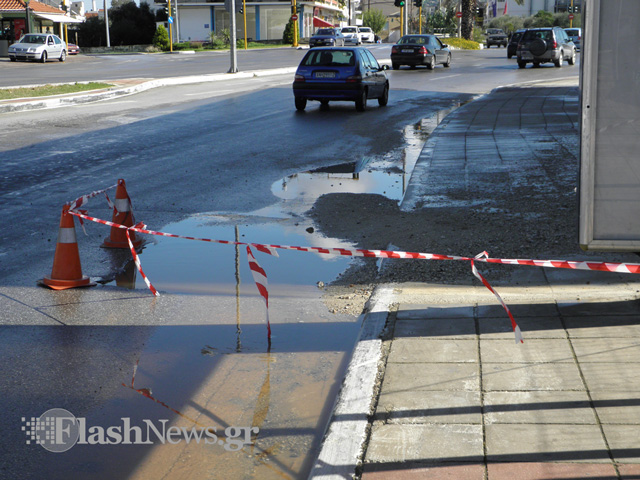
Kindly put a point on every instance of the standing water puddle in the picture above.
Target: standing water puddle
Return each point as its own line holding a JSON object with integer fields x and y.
{"x": 211, "y": 365}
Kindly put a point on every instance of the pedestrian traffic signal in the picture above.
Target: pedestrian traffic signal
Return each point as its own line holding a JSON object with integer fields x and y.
{"x": 570, "y": 9}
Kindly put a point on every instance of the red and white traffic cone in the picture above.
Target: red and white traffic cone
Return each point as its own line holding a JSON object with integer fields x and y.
{"x": 122, "y": 215}
{"x": 66, "y": 271}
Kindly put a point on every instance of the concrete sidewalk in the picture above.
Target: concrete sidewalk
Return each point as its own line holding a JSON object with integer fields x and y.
{"x": 442, "y": 390}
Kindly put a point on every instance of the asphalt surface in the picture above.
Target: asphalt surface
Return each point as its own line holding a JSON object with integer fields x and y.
{"x": 437, "y": 387}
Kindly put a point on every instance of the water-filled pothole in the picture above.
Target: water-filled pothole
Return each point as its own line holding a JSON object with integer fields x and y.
{"x": 287, "y": 391}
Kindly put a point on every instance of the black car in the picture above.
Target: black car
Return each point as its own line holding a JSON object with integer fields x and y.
{"x": 540, "y": 45}
{"x": 416, "y": 50}
{"x": 513, "y": 42}
{"x": 327, "y": 37}
{"x": 340, "y": 73}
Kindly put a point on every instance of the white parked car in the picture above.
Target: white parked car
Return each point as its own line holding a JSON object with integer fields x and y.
{"x": 351, "y": 34}
{"x": 367, "y": 35}
{"x": 38, "y": 46}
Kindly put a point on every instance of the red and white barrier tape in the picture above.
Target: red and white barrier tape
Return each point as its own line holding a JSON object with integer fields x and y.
{"x": 83, "y": 200}
{"x": 260, "y": 276}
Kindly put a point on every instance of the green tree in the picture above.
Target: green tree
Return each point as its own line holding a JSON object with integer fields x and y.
{"x": 507, "y": 23}
{"x": 374, "y": 19}
{"x": 132, "y": 25}
{"x": 161, "y": 38}
{"x": 287, "y": 36}
{"x": 441, "y": 22}
{"x": 540, "y": 19}
{"x": 92, "y": 33}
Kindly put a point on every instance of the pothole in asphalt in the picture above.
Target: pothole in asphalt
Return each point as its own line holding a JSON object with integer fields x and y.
{"x": 388, "y": 176}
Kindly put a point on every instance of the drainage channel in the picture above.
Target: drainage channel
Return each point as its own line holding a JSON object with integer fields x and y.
{"x": 221, "y": 371}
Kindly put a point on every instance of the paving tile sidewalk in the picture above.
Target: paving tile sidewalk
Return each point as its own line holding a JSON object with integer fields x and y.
{"x": 459, "y": 398}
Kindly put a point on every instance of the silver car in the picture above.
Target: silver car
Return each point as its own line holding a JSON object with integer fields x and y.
{"x": 38, "y": 46}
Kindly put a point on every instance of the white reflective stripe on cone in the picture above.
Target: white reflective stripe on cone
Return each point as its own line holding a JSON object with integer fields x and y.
{"x": 67, "y": 235}
{"x": 122, "y": 204}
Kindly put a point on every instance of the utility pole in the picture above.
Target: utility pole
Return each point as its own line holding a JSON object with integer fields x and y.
{"x": 234, "y": 54}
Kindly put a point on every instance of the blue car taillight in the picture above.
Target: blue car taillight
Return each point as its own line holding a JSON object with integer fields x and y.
{"x": 354, "y": 78}
{"x": 298, "y": 78}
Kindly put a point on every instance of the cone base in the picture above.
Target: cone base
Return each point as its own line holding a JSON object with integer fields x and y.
{"x": 57, "y": 284}
{"x": 107, "y": 243}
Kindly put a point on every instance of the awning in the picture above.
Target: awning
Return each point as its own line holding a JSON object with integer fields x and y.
{"x": 318, "y": 22}
{"x": 58, "y": 18}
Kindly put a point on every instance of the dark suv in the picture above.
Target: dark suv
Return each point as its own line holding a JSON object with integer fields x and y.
{"x": 496, "y": 36}
{"x": 540, "y": 45}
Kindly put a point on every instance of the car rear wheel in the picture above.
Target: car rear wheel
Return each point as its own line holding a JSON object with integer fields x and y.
{"x": 301, "y": 103}
{"x": 448, "y": 62}
{"x": 432, "y": 63}
{"x": 395, "y": 66}
{"x": 384, "y": 99}
{"x": 43, "y": 57}
{"x": 13, "y": 59}
{"x": 361, "y": 102}
{"x": 63, "y": 56}
{"x": 572, "y": 58}
{"x": 558, "y": 61}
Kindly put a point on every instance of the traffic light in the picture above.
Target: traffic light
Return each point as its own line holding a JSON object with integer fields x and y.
{"x": 398, "y": 3}
{"x": 417, "y": 3}
{"x": 166, "y": 10}
{"x": 570, "y": 9}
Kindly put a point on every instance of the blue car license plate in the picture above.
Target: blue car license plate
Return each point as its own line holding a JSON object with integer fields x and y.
{"x": 325, "y": 74}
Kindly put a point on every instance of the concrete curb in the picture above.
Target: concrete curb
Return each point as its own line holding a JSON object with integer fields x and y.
{"x": 343, "y": 446}
{"x": 60, "y": 101}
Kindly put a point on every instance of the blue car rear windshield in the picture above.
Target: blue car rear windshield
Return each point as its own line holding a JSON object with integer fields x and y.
{"x": 330, "y": 58}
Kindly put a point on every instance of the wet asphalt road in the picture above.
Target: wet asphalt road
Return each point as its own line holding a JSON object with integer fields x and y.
{"x": 186, "y": 151}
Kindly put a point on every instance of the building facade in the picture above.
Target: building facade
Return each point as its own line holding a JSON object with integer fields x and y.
{"x": 266, "y": 20}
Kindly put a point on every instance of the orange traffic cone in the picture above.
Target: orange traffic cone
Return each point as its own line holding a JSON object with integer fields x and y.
{"x": 66, "y": 271}
{"x": 122, "y": 215}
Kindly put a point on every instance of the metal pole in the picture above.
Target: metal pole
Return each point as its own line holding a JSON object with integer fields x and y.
{"x": 170, "y": 26}
{"x": 406, "y": 19}
{"x": 571, "y": 19}
{"x": 420, "y": 18}
{"x": 234, "y": 54}
{"x": 106, "y": 22}
{"x": 460, "y": 20}
{"x": 244, "y": 15}
{"x": 27, "y": 18}
{"x": 295, "y": 24}
{"x": 177, "y": 22}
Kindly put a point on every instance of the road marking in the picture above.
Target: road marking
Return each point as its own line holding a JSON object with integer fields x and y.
{"x": 448, "y": 76}
{"x": 209, "y": 94}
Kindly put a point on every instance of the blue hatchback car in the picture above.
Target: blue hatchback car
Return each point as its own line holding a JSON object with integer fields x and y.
{"x": 340, "y": 73}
